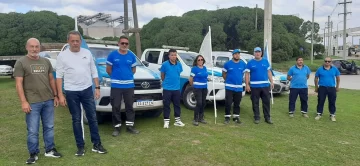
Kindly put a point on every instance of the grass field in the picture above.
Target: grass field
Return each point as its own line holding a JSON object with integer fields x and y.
{"x": 296, "y": 141}
{"x": 284, "y": 66}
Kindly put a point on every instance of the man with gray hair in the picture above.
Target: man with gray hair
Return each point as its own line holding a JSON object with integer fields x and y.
{"x": 36, "y": 89}
{"x": 76, "y": 65}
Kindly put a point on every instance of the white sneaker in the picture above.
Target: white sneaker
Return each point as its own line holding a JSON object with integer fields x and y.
{"x": 179, "y": 123}
{"x": 317, "y": 117}
{"x": 166, "y": 125}
{"x": 332, "y": 117}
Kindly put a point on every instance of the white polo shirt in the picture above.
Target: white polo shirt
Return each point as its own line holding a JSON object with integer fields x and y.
{"x": 76, "y": 68}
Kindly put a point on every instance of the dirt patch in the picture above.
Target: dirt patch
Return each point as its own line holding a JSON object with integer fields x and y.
{"x": 196, "y": 142}
{"x": 311, "y": 91}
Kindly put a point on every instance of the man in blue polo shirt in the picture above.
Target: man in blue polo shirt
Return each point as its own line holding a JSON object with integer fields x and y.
{"x": 233, "y": 75}
{"x": 298, "y": 76}
{"x": 121, "y": 66}
{"x": 170, "y": 74}
{"x": 325, "y": 86}
{"x": 257, "y": 77}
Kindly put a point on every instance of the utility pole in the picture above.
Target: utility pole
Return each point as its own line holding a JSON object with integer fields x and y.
{"x": 328, "y": 47}
{"x": 256, "y": 17}
{"x": 324, "y": 37}
{"x": 126, "y": 16}
{"x": 331, "y": 37}
{"x": 268, "y": 27}
{"x": 312, "y": 34}
{"x": 344, "y": 31}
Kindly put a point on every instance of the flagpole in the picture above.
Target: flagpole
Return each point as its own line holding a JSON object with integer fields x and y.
{"x": 212, "y": 73}
{"x": 271, "y": 90}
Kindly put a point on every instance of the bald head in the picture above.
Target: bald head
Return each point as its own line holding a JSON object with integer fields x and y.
{"x": 33, "y": 47}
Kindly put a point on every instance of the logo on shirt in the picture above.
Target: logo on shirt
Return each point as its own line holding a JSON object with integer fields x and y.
{"x": 37, "y": 68}
{"x": 128, "y": 61}
{"x": 117, "y": 60}
{"x": 84, "y": 57}
{"x": 230, "y": 68}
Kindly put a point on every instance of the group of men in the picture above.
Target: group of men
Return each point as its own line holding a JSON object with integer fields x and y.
{"x": 76, "y": 73}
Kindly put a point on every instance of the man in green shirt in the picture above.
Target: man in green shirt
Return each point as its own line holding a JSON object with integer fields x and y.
{"x": 36, "y": 88}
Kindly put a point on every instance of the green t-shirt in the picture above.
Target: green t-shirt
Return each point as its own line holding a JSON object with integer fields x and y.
{"x": 36, "y": 82}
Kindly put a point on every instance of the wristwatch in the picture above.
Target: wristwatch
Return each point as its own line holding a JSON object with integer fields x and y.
{"x": 98, "y": 87}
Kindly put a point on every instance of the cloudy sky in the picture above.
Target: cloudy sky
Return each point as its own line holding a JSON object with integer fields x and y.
{"x": 148, "y": 9}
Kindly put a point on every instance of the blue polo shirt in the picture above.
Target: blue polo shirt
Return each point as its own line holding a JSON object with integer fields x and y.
{"x": 327, "y": 77}
{"x": 172, "y": 75}
{"x": 299, "y": 76}
{"x": 122, "y": 64}
{"x": 234, "y": 75}
{"x": 258, "y": 73}
{"x": 199, "y": 77}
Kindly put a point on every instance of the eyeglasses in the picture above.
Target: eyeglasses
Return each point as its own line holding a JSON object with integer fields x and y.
{"x": 200, "y": 60}
{"x": 327, "y": 61}
{"x": 123, "y": 43}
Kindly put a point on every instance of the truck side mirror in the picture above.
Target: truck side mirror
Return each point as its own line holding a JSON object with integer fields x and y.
{"x": 145, "y": 63}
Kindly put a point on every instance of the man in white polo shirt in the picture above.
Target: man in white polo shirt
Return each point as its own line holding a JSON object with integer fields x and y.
{"x": 76, "y": 65}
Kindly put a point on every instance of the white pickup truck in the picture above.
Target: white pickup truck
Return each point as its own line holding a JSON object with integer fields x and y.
{"x": 148, "y": 89}
{"x": 154, "y": 57}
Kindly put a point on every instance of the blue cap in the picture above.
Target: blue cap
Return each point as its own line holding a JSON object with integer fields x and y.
{"x": 236, "y": 51}
{"x": 257, "y": 49}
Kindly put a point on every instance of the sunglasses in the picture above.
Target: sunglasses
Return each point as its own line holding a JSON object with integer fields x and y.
{"x": 327, "y": 61}
{"x": 200, "y": 60}
{"x": 123, "y": 43}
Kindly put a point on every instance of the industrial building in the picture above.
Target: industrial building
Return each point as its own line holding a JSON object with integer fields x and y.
{"x": 102, "y": 25}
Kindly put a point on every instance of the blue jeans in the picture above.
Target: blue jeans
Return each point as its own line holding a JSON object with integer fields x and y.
{"x": 45, "y": 111}
{"x": 86, "y": 99}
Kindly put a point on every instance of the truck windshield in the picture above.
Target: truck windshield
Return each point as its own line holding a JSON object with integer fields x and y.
{"x": 104, "y": 52}
{"x": 187, "y": 57}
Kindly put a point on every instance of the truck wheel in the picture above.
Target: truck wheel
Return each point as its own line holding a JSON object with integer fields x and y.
{"x": 100, "y": 118}
{"x": 153, "y": 113}
{"x": 189, "y": 98}
{"x": 357, "y": 71}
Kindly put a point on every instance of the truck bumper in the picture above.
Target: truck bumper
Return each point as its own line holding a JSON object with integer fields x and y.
{"x": 144, "y": 100}
{"x": 280, "y": 87}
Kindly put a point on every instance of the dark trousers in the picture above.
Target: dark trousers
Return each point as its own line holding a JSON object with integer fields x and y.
{"x": 330, "y": 92}
{"x": 294, "y": 93}
{"x": 232, "y": 97}
{"x": 174, "y": 97}
{"x": 256, "y": 94}
{"x": 86, "y": 99}
{"x": 200, "y": 96}
{"x": 116, "y": 96}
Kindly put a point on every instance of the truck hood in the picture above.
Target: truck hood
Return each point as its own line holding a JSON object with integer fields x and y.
{"x": 217, "y": 71}
{"x": 142, "y": 72}
{"x": 281, "y": 76}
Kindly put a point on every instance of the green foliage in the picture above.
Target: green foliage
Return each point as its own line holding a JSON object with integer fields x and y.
{"x": 319, "y": 56}
{"x": 231, "y": 28}
{"x": 47, "y": 26}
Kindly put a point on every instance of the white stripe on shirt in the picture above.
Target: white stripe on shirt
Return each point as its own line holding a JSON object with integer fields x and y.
{"x": 234, "y": 86}
{"x": 199, "y": 83}
{"x": 122, "y": 81}
{"x": 259, "y": 82}
{"x": 109, "y": 63}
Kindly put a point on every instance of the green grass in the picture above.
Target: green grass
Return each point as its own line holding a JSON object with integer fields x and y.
{"x": 284, "y": 66}
{"x": 296, "y": 141}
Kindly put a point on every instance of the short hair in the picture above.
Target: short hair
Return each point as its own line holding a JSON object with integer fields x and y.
{"x": 73, "y": 32}
{"x": 123, "y": 37}
{"x": 197, "y": 57}
{"x": 172, "y": 50}
{"x": 299, "y": 58}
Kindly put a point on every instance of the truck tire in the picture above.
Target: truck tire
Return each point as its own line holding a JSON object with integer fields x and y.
{"x": 189, "y": 98}
{"x": 153, "y": 113}
{"x": 357, "y": 71}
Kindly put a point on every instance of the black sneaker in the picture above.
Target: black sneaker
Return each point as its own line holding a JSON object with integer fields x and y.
{"x": 116, "y": 132}
{"x": 99, "y": 149}
{"x": 31, "y": 160}
{"x": 195, "y": 123}
{"x": 227, "y": 120}
{"x": 268, "y": 121}
{"x": 132, "y": 130}
{"x": 53, "y": 153}
{"x": 237, "y": 120}
{"x": 80, "y": 152}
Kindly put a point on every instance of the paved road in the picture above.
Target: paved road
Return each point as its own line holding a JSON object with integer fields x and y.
{"x": 346, "y": 81}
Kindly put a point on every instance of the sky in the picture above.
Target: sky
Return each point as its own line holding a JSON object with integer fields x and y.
{"x": 149, "y": 9}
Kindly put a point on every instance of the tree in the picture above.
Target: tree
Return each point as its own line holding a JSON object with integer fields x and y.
{"x": 305, "y": 31}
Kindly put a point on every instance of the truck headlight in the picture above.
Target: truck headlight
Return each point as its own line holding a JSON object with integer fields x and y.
{"x": 276, "y": 79}
{"x": 105, "y": 82}
{"x": 215, "y": 79}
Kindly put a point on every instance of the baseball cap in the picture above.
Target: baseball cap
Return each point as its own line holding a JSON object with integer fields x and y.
{"x": 257, "y": 49}
{"x": 236, "y": 51}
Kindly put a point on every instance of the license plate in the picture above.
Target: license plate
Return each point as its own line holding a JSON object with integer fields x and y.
{"x": 142, "y": 103}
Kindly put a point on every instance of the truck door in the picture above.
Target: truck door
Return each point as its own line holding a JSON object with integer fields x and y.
{"x": 153, "y": 57}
